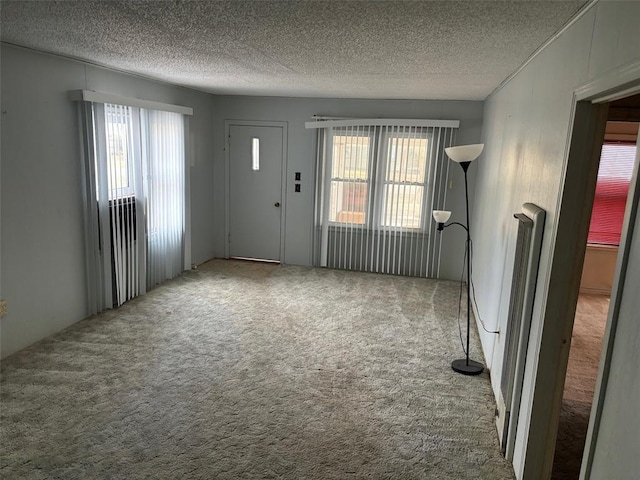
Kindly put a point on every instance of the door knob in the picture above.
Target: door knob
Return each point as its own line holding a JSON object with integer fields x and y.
{"x": 277, "y": 204}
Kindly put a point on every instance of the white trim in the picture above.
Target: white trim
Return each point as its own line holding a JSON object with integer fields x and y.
{"x": 618, "y": 83}
{"x": 383, "y": 122}
{"x": 98, "y": 97}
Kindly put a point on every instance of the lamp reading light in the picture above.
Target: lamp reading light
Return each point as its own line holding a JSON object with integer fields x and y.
{"x": 441, "y": 217}
{"x": 465, "y": 153}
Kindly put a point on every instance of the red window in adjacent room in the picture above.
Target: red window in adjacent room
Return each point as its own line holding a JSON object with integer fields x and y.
{"x": 614, "y": 177}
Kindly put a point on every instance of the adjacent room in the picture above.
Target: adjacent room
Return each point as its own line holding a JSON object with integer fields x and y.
{"x": 615, "y": 172}
{"x": 316, "y": 239}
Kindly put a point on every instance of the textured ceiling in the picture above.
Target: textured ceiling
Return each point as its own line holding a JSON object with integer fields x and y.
{"x": 350, "y": 49}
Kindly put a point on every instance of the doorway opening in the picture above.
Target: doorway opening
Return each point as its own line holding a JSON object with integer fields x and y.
{"x": 607, "y": 215}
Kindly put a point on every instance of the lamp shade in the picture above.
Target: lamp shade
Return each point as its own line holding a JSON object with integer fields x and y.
{"x": 441, "y": 216}
{"x": 464, "y": 153}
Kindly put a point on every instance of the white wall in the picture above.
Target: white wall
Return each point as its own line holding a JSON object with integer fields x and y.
{"x": 526, "y": 131}
{"x": 43, "y": 272}
{"x": 598, "y": 269}
{"x": 301, "y": 158}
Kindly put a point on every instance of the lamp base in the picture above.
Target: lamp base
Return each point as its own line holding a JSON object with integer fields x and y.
{"x": 471, "y": 368}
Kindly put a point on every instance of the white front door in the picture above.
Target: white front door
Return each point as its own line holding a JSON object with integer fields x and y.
{"x": 255, "y": 191}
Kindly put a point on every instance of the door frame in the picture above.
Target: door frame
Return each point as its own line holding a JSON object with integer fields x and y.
{"x": 617, "y": 291}
{"x": 582, "y": 157}
{"x": 227, "y": 177}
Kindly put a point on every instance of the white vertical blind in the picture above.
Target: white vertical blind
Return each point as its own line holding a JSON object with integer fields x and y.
{"x": 376, "y": 185}
{"x": 98, "y": 293}
{"x": 122, "y": 158}
{"x": 164, "y": 194}
{"x": 134, "y": 183}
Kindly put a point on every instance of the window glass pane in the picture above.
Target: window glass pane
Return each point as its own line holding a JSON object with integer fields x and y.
{"x": 614, "y": 177}
{"x": 407, "y": 159}
{"x": 255, "y": 153}
{"x": 348, "y": 202}
{"x": 118, "y": 127}
{"x": 403, "y": 205}
{"x": 350, "y": 157}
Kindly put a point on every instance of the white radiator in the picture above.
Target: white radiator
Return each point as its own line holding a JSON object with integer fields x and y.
{"x": 523, "y": 286}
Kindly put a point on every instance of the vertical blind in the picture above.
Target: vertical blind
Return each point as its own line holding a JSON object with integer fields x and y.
{"x": 614, "y": 177}
{"x": 117, "y": 165}
{"x": 377, "y": 182}
{"x": 134, "y": 184}
{"x": 165, "y": 196}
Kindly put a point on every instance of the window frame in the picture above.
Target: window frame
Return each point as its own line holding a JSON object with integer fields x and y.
{"x": 378, "y": 168}
{"x": 372, "y": 134}
{"x": 386, "y": 135}
{"x": 119, "y": 193}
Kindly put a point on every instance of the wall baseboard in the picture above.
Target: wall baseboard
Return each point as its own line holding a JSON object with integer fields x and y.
{"x": 595, "y": 291}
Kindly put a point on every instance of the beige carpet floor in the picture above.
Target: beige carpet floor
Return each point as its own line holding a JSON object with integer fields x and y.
{"x": 253, "y": 371}
{"x": 582, "y": 372}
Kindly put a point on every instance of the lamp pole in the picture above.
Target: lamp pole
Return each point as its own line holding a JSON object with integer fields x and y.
{"x": 467, "y": 366}
{"x": 463, "y": 155}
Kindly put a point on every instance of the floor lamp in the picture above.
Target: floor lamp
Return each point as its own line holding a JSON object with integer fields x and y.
{"x": 463, "y": 155}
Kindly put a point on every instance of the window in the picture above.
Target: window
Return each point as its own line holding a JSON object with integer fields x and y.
{"x": 255, "y": 154}
{"x": 612, "y": 187}
{"x": 376, "y": 184}
{"x": 349, "y": 178}
{"x": 404, "y": 183}
{"x": 392, "y": 160}
{"x": 134, "y": 161}
{"x": 119, "y": 150}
